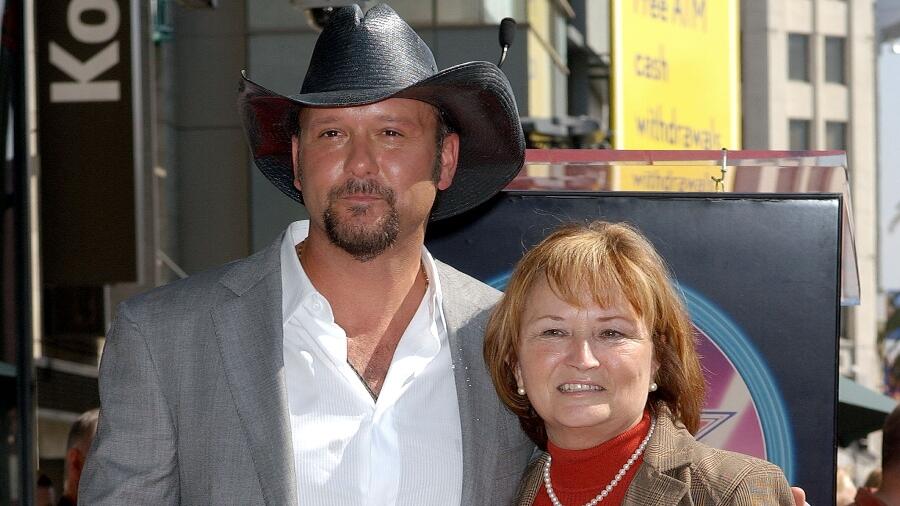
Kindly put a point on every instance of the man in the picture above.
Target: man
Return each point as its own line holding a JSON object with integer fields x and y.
{"x": 81, "y": 435}
{"x": 888, "y": 493}
{"x": 342, "y": 365}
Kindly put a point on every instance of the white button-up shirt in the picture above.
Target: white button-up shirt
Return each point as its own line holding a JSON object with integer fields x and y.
{"x": 349, "y": 449}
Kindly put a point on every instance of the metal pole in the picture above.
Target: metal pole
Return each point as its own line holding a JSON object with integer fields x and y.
{"x": 23, "y": 288}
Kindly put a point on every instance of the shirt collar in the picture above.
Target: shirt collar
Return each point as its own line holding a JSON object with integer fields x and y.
{"x": 296, "y": 286}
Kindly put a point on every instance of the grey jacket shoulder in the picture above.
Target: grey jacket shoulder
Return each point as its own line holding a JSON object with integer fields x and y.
{"x": 478, "y": 293}
{"x": 197, "y": 293}
{"x": 467, "y": 306}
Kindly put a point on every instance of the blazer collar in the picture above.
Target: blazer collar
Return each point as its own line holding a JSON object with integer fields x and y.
{"x": 669, "y": 449}
{"x": 245, "y": 274}
{"x": 250, "y": 336}
{"x": 478, "y": 405}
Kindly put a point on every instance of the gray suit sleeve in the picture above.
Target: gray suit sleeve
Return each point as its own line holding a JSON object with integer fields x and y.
{"x": 133, "y": 457}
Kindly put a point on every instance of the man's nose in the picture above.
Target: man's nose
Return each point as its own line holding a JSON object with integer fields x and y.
{"x": 581, "y": 355}
{"x": 361, "y": 160}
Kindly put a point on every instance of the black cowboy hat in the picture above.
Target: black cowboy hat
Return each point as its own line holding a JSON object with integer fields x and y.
{"x": 360, "y": 60}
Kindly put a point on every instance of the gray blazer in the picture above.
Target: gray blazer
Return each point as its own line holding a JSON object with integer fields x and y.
{"x": 194, "y": 405}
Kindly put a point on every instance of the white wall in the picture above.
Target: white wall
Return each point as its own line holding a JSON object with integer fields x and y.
{"x": 889, "y": 168}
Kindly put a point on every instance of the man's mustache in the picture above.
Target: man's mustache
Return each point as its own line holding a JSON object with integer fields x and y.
{"x": 362, "y": 186}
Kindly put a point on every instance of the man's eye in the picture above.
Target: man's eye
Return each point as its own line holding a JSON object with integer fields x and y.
{"x": 329, "y": 133}
{"x": 392, "y": 133}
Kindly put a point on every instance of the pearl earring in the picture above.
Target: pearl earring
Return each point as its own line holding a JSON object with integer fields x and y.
{"x": 521, "y": 390}
{"x": 653, "y": 386}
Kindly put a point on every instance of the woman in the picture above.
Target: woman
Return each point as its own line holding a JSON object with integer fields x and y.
{"x": 592, "y": 348}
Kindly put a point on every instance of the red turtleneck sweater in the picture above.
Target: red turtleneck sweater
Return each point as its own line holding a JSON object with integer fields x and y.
{"x": 579, "y": 475}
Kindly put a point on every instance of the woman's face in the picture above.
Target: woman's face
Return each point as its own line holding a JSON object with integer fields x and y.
{"x": 586, "y": 369}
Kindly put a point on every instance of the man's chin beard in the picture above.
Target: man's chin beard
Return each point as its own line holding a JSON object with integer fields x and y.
{"x": 364, "y": 243}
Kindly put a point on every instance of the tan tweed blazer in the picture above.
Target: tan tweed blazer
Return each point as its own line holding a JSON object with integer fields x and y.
{"x": 678, "y": 470}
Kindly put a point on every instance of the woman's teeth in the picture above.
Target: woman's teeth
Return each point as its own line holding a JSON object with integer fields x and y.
{"x": 578, "y": 387}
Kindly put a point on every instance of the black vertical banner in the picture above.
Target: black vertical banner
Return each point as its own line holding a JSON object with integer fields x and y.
{"x": 759, "y": 275}
{"x": 86, "y": 141}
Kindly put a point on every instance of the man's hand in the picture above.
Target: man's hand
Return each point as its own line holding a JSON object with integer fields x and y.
{"x": 799, "y": 496}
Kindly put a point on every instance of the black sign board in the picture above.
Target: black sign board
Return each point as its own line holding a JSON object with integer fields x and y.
{"x": 759, "y": 274}
{"x": 86, "y": 141}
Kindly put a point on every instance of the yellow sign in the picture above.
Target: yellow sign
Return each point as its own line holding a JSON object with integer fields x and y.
{"x": 672, "y": 178}
{"x": 676, "y": 81}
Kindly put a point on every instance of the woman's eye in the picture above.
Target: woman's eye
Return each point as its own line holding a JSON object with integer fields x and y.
{"x": 611, "y": 333}
{"x": 554, "y": 333}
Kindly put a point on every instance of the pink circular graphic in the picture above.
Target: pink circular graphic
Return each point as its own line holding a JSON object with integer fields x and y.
{"x": 730, "y": 420}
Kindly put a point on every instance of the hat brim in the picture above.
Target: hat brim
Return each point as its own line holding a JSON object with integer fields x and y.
{"x": 476, "y": 97}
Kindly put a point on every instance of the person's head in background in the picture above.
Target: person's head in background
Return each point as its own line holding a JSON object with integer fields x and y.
{"x": 81, "y": 435}
{"x": 43, "y": 492}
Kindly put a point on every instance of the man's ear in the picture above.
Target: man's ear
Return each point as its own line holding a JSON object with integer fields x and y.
{"x": 449, "y": 157}
{"x": 295, "y": 160}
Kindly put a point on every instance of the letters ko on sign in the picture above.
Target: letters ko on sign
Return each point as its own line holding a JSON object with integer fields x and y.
{"x": 85, "y": 87}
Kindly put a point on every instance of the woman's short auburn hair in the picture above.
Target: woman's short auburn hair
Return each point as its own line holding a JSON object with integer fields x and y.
{"x": 599, "y": 259}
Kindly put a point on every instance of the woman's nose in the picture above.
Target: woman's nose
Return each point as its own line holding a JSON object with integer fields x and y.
{"x": 581, "y": 355}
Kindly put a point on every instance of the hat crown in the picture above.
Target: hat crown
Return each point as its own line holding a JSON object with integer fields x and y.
{"x": 378, "y": 50}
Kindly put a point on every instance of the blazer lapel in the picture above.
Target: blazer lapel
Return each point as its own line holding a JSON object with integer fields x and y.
{"x": 477, "y": 416}
{"x": 650, "y": 486}
{"x": 249, "y": 332}
{"x": 656, "y": 480}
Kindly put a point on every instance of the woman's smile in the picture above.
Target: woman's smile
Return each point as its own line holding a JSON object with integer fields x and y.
{"x": 578, "y": 388}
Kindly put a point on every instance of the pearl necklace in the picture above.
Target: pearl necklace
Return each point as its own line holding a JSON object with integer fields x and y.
{"x": 605, "y": 492}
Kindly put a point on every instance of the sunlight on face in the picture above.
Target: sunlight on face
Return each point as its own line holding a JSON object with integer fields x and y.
{"x": 369, "y": 174}
{"x": 586, "y": 369}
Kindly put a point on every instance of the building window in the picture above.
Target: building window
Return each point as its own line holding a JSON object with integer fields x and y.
{"x": 798, "y": 57}
{"x": 799, "y": 134}
{"x": 836, "y": 135}
{"x": 835, "y": 60}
